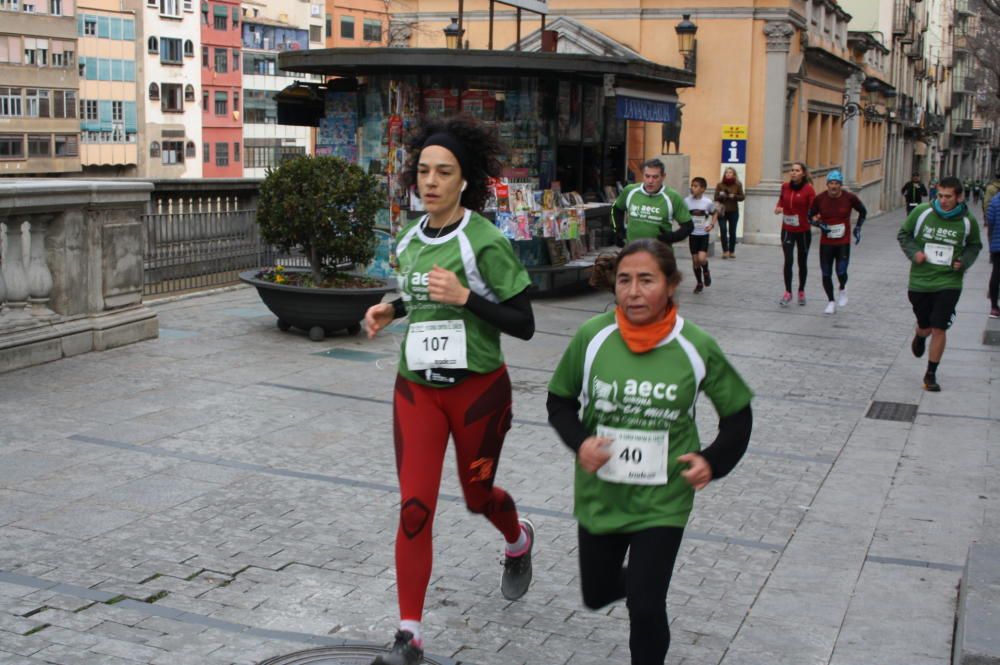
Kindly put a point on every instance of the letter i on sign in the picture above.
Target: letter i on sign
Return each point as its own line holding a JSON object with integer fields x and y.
{"x": 734, "y": 152}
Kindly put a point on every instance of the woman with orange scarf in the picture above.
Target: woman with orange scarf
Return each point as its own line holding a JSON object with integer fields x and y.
{"x": 637, "y": 373}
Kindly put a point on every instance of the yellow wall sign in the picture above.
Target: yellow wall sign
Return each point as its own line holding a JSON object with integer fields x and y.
{"x": 734, "y": 131}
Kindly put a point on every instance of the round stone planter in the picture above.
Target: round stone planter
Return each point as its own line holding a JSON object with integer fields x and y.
{"x": 319, "y": 312}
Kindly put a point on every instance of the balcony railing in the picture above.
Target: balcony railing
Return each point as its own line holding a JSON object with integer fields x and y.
{"x": 961, "y": 126}
{"x": 902, "y": 17}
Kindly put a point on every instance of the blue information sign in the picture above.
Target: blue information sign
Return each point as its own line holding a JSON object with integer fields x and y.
{"x": 734, "y": 151}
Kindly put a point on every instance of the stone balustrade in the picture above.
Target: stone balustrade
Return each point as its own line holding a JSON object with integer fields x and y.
{"x": 71, "y": 275}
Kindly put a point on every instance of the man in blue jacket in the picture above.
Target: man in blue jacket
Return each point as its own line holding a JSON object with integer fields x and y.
{"x": 993, "y": 225}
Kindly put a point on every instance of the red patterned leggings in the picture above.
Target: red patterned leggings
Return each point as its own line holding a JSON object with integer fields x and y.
{"x": 477, "y": 414}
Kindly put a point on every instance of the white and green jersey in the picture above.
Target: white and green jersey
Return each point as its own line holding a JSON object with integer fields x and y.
{"x": 484, "y": 261}
{"x": 651, "y": 214}
{"x": 638, "y": 394}
{"x": 943, "y": 241}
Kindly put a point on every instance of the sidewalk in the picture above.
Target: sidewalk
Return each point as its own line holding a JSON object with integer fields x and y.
{"x": 227, "y": 493}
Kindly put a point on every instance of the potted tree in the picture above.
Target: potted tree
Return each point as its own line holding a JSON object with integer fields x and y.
{"x": 325, "y": 208}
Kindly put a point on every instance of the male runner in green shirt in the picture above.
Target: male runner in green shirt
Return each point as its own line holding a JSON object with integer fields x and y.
{"x": 650, "y": 206}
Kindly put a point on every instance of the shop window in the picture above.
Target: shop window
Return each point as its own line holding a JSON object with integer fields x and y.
{"x": 154, "y": 92}
{"x": 39, "y": 145}
{"x": 11, "y": 146}
{"x": 66, "y": 145}
{"x": 188, "y": 48}
{"x": 154, "y": 149}
{"x": 153, "y": 45}
{"x": 222, "y": 154}
{"x": 189, "y": 151}
{"x": 372, "y": 30}
{"x": 347, "y": 27}
{"x": 189, "y": 93}
{"x": 173, "y": 98}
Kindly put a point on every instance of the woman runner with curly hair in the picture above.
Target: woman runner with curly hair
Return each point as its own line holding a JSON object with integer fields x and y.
{"x": 462, "y": 286}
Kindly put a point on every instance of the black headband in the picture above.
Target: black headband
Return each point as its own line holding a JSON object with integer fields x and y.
{"x": 451, "y": 142}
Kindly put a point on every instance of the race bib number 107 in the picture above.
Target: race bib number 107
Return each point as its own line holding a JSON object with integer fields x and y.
{"x": 438, "y": 344}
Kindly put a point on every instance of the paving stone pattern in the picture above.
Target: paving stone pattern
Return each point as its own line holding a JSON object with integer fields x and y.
{"x": 227, "y": 493}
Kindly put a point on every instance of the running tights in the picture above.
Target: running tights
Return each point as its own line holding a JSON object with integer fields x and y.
{"x": 828, "y": 256}
{"x": 995, "y": 279}
{"x": 792, "y": 244}
{"x": 476, "y": 413}
{"x": 644, "y": 583}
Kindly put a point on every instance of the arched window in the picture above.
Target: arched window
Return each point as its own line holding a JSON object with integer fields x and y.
{"x": 189, "y": 150}
{"x": 154, "y": 149}
{"x": 153, "y": 44}
{"x": 188, "y": 48}
{"x": 154, "y": 91}
{"x": 189, "y": 93}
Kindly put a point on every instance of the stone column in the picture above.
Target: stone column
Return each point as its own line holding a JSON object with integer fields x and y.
{"x": 852, "y": 126}
{"x": 759, "y": 223}
{"x": 779, "y": 38}
{"x": 16, "y": 276}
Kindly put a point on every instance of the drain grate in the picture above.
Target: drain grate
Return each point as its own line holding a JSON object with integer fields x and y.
{"x": 341, "y": 655}
{"x": 897, "y": 411}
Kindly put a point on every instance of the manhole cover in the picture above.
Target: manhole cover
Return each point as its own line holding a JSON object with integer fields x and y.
{"x": 898, "y": 411}
{"x": 340, "y": 655}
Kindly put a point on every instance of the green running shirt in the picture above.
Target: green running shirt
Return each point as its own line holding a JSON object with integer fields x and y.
{"x": 650, "y": 214}
{"x": 484, "y": 261}
{"x": 949, "y": 238}
{"x": 651, "y": 391}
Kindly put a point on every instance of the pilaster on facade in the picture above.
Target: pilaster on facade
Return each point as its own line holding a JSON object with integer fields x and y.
{"x": 39, "y": 86}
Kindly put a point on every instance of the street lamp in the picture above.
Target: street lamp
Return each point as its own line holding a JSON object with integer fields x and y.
{"x": 686, "y": 43}
{"x": 453, "y": 34}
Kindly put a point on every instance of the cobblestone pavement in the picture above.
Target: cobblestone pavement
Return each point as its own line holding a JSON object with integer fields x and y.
{"x": 227, "y": 492}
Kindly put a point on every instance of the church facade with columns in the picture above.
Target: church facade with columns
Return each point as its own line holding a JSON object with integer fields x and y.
{"x": 783, "y": 77}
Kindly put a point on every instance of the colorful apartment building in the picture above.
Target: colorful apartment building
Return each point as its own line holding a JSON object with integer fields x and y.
{"x": 39, "y": 130}
{"x": 109, "y": 127}
{"x": 169, "y": 78}
{"x": 267, "y": 29}
{"x": 221, "y": 89}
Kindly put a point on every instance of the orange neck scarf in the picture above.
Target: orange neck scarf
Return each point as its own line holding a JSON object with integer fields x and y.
{"x": 641, "y": 339}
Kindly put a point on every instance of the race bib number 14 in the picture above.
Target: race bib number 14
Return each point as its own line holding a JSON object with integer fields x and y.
{"x": 939, "y": 255}
{"x": 438, "y": 344}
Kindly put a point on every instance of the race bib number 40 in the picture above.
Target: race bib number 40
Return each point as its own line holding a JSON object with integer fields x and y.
{"x": 638, "y": 457}
{"x": 438, "y": 344}
{"x": 939, "y": 255}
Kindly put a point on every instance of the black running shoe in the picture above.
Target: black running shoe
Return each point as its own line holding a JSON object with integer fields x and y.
{"x": 517, "y": 569}
{"x": 699, "y": 288}
{"x": 708, "y": 278}
{"x": 402, "y": 653}
{"x": 930, "y": 383}
{"x": 918, "y": 345}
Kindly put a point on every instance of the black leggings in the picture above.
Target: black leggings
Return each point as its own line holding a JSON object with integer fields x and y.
{"x": 828, "y": 256}
{"x": 995, "y": 278}
{"x": 728, "y": 221}
{"x": 790, "y": 242}
{"x": 644, "y": 583}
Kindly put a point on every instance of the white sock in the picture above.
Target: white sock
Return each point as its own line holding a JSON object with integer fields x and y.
{"x": 413, "y": 627}
{"x": 520, "y": 544}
